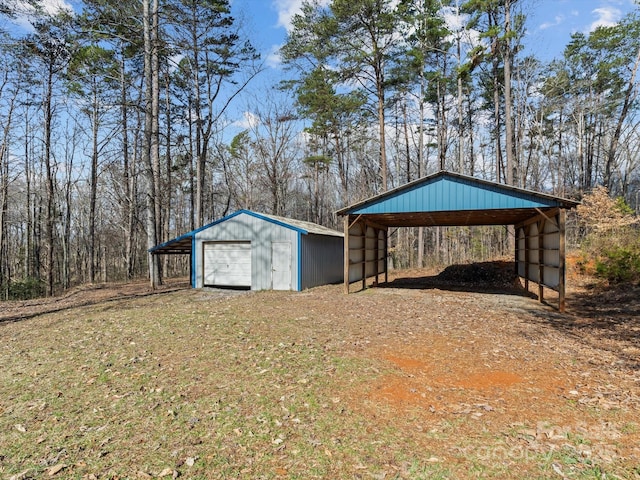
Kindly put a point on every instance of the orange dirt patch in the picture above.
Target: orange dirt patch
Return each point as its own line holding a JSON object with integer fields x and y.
{"x": 438, "y": 375}
{"x": 490, "y": 379}
{"x": 406, "y": 363}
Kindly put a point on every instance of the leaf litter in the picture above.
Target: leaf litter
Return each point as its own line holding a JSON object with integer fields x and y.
{"x": 422, "y": 382}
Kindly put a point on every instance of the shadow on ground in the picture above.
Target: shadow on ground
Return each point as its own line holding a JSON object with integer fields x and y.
{"x": 484, "y": 277}
{"x": 602, "y": 317}
{"x": 87, "y": 295}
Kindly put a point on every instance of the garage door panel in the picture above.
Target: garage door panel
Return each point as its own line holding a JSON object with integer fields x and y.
{"x": 227, "y": 264}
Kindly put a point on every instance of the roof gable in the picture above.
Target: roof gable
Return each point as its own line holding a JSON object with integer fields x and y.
{"x": 182, "y": 244}
{"x": 448, "y": 192}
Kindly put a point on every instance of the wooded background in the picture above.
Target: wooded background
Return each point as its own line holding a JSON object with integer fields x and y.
{"x": 116, "y": 124}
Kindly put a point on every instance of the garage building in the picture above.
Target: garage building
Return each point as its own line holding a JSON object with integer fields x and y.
{"x": 260, "y": 252}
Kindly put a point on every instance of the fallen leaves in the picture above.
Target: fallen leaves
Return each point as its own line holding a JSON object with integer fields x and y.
{"x": 52, "y": 471}
{"x": 188, "y": 384}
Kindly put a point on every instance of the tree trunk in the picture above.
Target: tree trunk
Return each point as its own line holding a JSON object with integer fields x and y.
{"x": 127, "y": 178}
{"x": 441, "y": 127}
{"x": 508, "y": 115}
{"x": 460, "y": 110}
{"x": 150, "y": 151}
{"x": 50, "y": 190}
{"x": 629, "y": 96}
{"x": 5, "y": 277}
{"x": 4, "y": 196}
{"x": 381, "y": 129}
{"x": 93, "y": 191}
{"x": 497, "y": 123}
{"x": 30, "y": 271}
{"x": 167, "y": 186}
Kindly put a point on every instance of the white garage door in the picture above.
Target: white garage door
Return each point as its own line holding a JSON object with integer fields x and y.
{"x": 227, "y": 264}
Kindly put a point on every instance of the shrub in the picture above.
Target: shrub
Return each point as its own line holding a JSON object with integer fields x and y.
{"x": 620, "y": 264}
{"x": 26, "y": 289}
{"x": 612, "y": 243}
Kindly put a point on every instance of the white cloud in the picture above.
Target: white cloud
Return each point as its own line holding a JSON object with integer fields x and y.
{"x": 287, "y": 9}
{"x": 558, "y": 20}
{"x": 273, "y": 59}
{"x": 606, "y": 17}
{"x": 53, "y": 7}
{"x": 26, "y": 12}
{"x": 453, "y": 19}
{"x": 249, "y": 120}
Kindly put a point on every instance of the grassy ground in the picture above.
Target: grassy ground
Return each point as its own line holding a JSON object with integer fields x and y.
{"x": 385, "y": 383}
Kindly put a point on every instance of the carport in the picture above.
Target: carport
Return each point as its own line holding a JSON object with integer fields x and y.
{"x": 451, "y": 199}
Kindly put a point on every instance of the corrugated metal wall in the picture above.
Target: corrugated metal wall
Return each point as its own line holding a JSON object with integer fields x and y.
{"x": 366, "y": 251}
{"x": 322, "y": 260}
{"x": 261, "y": 233}
{"x": 539, "y": 252}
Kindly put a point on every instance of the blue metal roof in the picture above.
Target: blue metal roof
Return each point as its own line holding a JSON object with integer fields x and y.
{"x": 458, "y": 195}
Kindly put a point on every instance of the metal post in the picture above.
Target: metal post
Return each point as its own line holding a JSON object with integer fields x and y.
{"x": 562, "y": 274}
{"x": 346, "y": 254}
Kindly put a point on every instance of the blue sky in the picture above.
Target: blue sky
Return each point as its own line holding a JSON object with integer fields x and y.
{"x": 549, "y": 22}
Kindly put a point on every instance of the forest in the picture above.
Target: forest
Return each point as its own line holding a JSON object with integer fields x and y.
{"x": 117, "y": 128}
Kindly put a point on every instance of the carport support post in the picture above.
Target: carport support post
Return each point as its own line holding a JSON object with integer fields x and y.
{"x": 562, "y": 214}
{"x": 527, "y": 236}
{"x": 386, "y": 255}
{"x": 541, "y": 261}
{"x": 346, "y": 254}
{"x": 364, "y": 256}
{"x": 154, "y": 276}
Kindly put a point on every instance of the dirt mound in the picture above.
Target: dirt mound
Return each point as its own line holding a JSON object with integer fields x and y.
{"x": 496, "y": 274}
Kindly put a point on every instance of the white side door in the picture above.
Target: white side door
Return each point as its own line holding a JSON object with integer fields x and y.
{"x": 281, "y": 265}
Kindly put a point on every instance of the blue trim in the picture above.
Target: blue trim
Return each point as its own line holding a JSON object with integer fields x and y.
{"x": 194, "y": 261}
{"x": 169, "y": 242}
{"x": 299, "y": 261}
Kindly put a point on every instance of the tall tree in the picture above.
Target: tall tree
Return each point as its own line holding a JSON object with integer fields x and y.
{"x": 274, "y": 137}
{"x": 49, "y": 46}
{"x": 358, "y": 38}
{"x": 218, "y": 65}
{"x": 151, "y": 141}
{"x": 117, "y": 25}
{"x": 8, "y": 97}
{"x": 93, "y": 72}
{"x": 502, "y": 29}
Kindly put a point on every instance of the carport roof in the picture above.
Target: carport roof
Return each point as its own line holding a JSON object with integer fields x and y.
{"x": 452, "y": 199}
{"x": 183, "y": 244}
